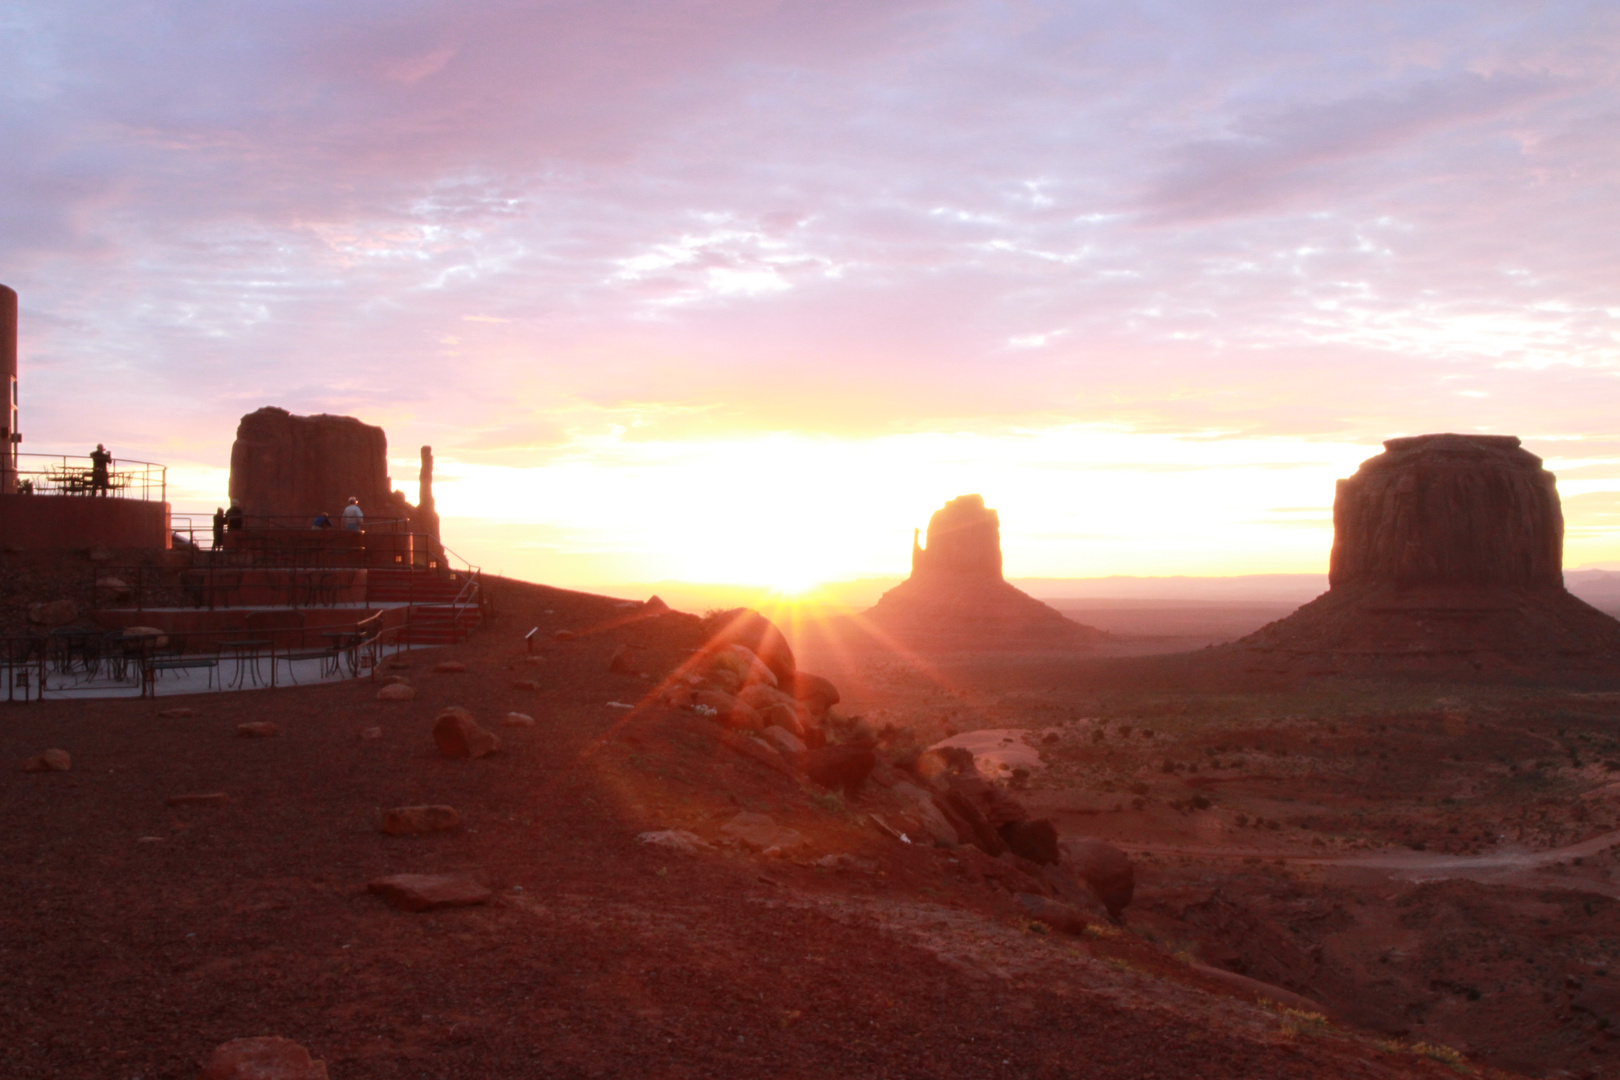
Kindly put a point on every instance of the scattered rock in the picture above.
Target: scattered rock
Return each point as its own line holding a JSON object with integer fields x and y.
{"x": 397, "y": 692}
{"x": 842, "y": 767}
{"x": 416, "y": 820}
{"x": 920, "y": 804}
{"x": 786, "y": 743}
{"x": 450, "y": 667}
{"x": 429, "y": 892}
{"x": 262, "y": 1058}
{"x": 371, "y": 733}
{"x": 676, "y": 840}
{"x": 1106, "y": 869}
{"x": 761, "y": 832}
{"x": 257, "y": 729}
{"x": 49, "y": 761}
{"x": 212, "y": 798}
{"x": 112, "y": 588}
{"x": 621, "y": 663}
{"x": 459, "y": 736}
{"x": 525, "y": 684}
{"x": 100, "y": 554}
{"x": 728, "y": 710}
{"x": 1054, "y": 913}
{"x": 517, "y": 719}
{"x": 177, "y": 714}
{"x": 757, "y": 634}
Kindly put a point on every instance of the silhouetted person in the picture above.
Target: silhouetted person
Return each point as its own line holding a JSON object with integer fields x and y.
{"x": 219, "y": 527}
{"x": 99, "y": 460}
{"x": 233, "y": 518}
{"x": 353, "y": 516}
{"x": 322, "y": 521}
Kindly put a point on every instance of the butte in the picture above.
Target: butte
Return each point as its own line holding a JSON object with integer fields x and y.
{"x": 1447, "y": 560}
{"x": 956, "y": 596}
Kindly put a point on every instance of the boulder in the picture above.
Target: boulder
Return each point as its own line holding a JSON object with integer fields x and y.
{"x": 1035, "y": 840}
{"x": 457, "y": 735}
{"x": 1075, "y": 892}
{"x": 112, "y": 589}
{"x": 818, "y": 694}
{"x": 842, "y": 767}
{"x": 517, "y": 719}
{"x": 450, "y": 667}
{"x": 762, "y": 697}
{"x": 676, "y": 840}
{"x": 622, "y": 663}
{"x": 49, "y": 761}
{"x": 750, "y": 629}
{"x": 1106, "y": 869}
{"x": 1054, "y": 913}
{"x": 783, "y": 714}
{"x": 257, "y": 729}
{"x": 761, "y": 832}
{"x": 980, "y": 832}
{"x": 265, "y": 1057}
{"x": 53, "y": 613}
{"x": 787, "y": 744}
{"x": 429, "y": 892}
{"x": 728, "y": 710}
{"x": 397, "y": 692}
{"x": 416, "y": 820}
{"x": 920, "y": 804}
{"x": 741, "y": 662}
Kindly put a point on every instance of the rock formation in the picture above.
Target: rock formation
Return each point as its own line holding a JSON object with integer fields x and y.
{"x": 1448, "y": 559}
{"x": 957, "y": 596}
{"x": 289, "y": 468}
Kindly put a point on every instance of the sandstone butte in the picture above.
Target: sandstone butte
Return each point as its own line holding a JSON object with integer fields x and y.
{"x": 956, "y": 593}
{"x": 287, "y": 466}
{"x": 1447, "y": 558}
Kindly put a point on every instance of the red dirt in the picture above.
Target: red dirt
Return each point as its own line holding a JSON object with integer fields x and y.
{"x": 136, "y": 936}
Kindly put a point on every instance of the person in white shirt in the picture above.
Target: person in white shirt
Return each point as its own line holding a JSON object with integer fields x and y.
{"x": 353, "y": 517}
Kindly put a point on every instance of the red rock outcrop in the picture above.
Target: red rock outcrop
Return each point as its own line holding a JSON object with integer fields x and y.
{"x": 293, "y": 467}
{"x": 1447, "y": 559}
{"x": 956, "y": 596}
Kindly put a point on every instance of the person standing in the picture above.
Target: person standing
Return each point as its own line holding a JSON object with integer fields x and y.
{"x": 99, "y": 460}
{"x": 219, "y": 528}
{"x": 353, "y": 516}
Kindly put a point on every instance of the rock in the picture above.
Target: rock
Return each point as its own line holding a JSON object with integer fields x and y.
{"x": 525, "y": 684}
{"x": 286, "y": 466}
{"x": 757, "y": 749}
{"x": 517, "y": 719}
{"x": 262, "y": 1058}
{"x": 212, "y": 798}
{"x": 429, "y": 892}
{"x": 676, "y": 840}
{"x": 177, "y": 714}
{"x": 787, "y": 744}
{"x": 416, "y": 820}
{"x": 257, "y": 729}
{"x": 459, "y": 736}
{"x": 371, "y": 733}
{"x": 842, "y": 767}
{"x": 728, "y": 710}
{"x": 727, "y": 682}
{"x": 956, "y": 596}
{"x": 1054, "y": 913}
{"x": 621, "y": 662}
{"x": 741, "y": 662}
{"x": 1106, "y": 869}
{"x": 761, "y": 832}
{"x": 920, "y": 804}
{"x": 818, "y": 694}
{"x": 981, "y": 833}
{"x": 564, "y": 635}
{"x": 113, "y": 589}
{"x": 762, "y": 697}
{"x": 397, "y": 692}
{"x": 756, "y": 633}
{"x": 1075, "y": 892}
{"x": 783, "y": 715}
{"x": 49, "y": 761}
{"x": 655, "y": 606}
{"x": 1448, "y": 510}
{"x": 53, "y": 613}
{"x": 450, "y": 667}
{"x": 1035, "y": 840}
{"x": 100, "y": 554}
{"x": 1447, "y": 561}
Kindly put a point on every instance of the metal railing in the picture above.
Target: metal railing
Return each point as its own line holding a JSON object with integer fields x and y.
{"x": 198, "y": 529}
{"x": 105, "y": 663}
{"x": 63, "y": 474}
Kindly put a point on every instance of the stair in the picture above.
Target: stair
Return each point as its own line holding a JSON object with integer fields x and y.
{"x": 435, "y": 619}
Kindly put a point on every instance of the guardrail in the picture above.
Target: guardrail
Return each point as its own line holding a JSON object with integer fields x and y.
{"x": 94, "y": 663}
{"x": 65, "y": 474}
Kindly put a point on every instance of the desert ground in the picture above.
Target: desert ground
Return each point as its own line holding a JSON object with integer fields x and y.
{"x": 1334, "y": 878}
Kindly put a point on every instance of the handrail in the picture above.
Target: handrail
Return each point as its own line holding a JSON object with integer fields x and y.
{"x": 72, "y": 474}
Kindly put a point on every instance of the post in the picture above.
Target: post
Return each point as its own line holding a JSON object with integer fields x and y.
{"x": 9, "y": 436}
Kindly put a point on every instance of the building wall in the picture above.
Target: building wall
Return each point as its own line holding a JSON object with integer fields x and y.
{"x": 64, "y": 522}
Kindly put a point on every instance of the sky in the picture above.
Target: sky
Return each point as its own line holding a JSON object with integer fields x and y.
{"x": 741, "y": 291}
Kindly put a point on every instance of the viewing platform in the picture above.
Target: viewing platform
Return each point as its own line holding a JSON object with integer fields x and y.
{"x": 57, "y": 502}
